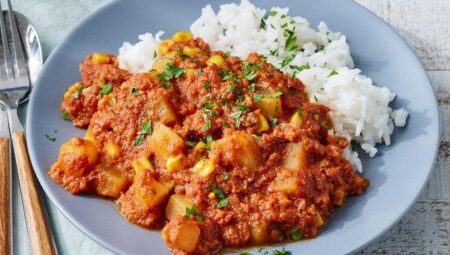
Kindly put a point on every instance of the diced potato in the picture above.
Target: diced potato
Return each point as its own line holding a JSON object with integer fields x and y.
{"x": 162, "y": 110}
{"x": 147, "y": 191}
{"x": 191, "y": 51}
{"x": 90, "y": 135}
{"x": 294, "y": 156}
{"x": 215, "y": 60}
{"x": 76, "y": 87}
{"x": 110, "y": 183}
{"x": 100, "y": 58}
{"x": 204, "y": 167}
{"x": 181, "y": 235}
{"x": 112, "y": 149}
{"x": 164, "y": 46}
{"x": 258, "y": 233}
{"x": 80, "y": 148}
{"x": 141, "y": 164}
{"x": 296, "y": 118}
{"x": 338, "y": 197}
{"x": 239, "y": 149}
{"x": 270, "y": 106}
{"x": 182, "y": 36}
{"x": 263, "y": 125}
{"x": 160, "y": 64}
{"x": 177, "y": 206}
{"x": 175, "y": 163}
{"x": 285, "y": 182}
{"x": 165, "y": 143}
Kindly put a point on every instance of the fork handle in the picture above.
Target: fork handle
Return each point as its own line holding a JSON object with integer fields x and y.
{"x": 5, "y": 188}
{"x": 38, "y": 232}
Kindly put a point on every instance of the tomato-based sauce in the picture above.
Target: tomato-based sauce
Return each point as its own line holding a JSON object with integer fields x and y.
{"x": 219, "y": 151}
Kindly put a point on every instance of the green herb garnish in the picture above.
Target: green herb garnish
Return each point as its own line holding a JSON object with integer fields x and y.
{"x": 194, "y": 212}
{"x": 252, "y": 87}
{"x": 64, "y": 116}
{"x": 333, "y": 73}
{"x": 145, "y": 129}
{"x": 134, "y": 91}
{"x": 181, "y": 54}
{"x": 223, "y": 201}
{"x": 257, "y": 97}
{"x": 296, "y": 234}
{"x": 107, "y": 89}
{"x": 249, "y": 70}
{"x": 287, "y": 60}
{"x": 282, "y": 252}
{"x": 51, "y": 138}
{"x": 206, "y": 86}
{"x": 277, "y": 94}
{"x": 273, "y": 121}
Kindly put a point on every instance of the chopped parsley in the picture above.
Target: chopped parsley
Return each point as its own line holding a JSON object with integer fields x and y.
{"x": 252, "y": 87}
{"x": 64, "y": 116}
{"x": 190, "y": 143}
{"x": 273, "y": 121}
{"x": 226, "y": 176}
{"x": 291, "y": 41}
{"x": 223, "y": 201}
{"x": 320, "y": 48}
{"x": 263, "y": 24}
{"x": 256, "y": 137}
{"x": 206, "y": 86}
{"x": 315, "y": 98}
{"x": 333, "y": 73}
{"x": 232, "y": 87}
{"x": 145, "y": 129}
{"x": 171, "y": 72}
{"x": 245, "y": 253}
{"x": 249, "y": 70}
{"x": 257, "y": 97}
{"x": 277, "y": 94}
{"x": 107, "y": 89}
{"x": 207, "y": 125}
{"x": 134, "y": 91}
{"x": 227, "y": 54}
{"x": 282, "y": 252}
{"x": 296, "y": 234}
{"x": 154, "y": 54}
{"x": 181, "y": 54}
{"x": 300, "y": 113}
{"x": 50, "y": 138}
{"x": 194, "y": 212}
{"x": 272, "y": 13}
{"x": 274, "y": 52}
{"x": 287, "y": 60}
{"x": 300, "y": 68}
{"x": 326, "y": 126}
{"x": 236, "y": 116}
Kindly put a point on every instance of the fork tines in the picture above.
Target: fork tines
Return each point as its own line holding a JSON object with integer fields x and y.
{"x": 13, "y": 63}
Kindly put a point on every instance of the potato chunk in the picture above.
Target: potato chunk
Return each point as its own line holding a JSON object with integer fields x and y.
{"x": 294, "y": 156}
{"x": 181, "y": 234}
{"x": 270, "y": 106}
{"x": 147, "y": 191}
{"x": 258, "y": 233}
{"x": 285, "y": 182}
{"x": 165, "y": 143}
{"x": 177, "y": 206}
{"x": 79, "y": 148}
{"x": 160, "y": 109}
{"x": 204, "y": 167}
{"x": 239, "y": 149}
{"x": 110, "y": 183}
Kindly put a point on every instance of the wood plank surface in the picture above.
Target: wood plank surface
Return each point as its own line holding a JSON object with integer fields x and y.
{"x": 424, "y": 24}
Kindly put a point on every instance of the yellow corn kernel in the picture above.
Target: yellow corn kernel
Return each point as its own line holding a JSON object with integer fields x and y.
{"x": 142, "y": 163}
{"x": 90, "y": 135}
{"x": 112, "y": 149}
{"x": 296, "y": 118}
{"x": 101, "y": 81}
{"x": 211, "y": 195}
{"x": 72, "y": 90}
{"x": 175, "y": 163}
{"x": 164, "y": 46}
{"x": 100, "y": 58}
{"x": 338, "y": 197}
{"x": 191, "y": 51}
{"x": 204, "y": 167}
{"x": 200, "y": 146}
{"x": 319, "y": 220}
{"x": 215, "y": 60}
{"x": 190, "y": 72}
{"x": 263, "y": 125}
{"x": 182, "y": 36}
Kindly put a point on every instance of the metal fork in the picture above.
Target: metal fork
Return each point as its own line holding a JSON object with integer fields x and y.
{"x": 14, "y": 86}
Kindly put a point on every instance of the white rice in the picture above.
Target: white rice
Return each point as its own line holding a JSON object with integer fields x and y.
{"x": 319, "y": 58}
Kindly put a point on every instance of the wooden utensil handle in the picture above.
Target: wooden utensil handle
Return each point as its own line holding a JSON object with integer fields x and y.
{"x": 41, "y": 241}
{"x": 5, "y": 180}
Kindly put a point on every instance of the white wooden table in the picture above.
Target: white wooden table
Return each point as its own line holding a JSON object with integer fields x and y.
{"x": 425, "y": 25}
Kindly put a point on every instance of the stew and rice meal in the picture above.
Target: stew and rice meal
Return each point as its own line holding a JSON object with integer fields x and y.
{"x": 236, "y": 133}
